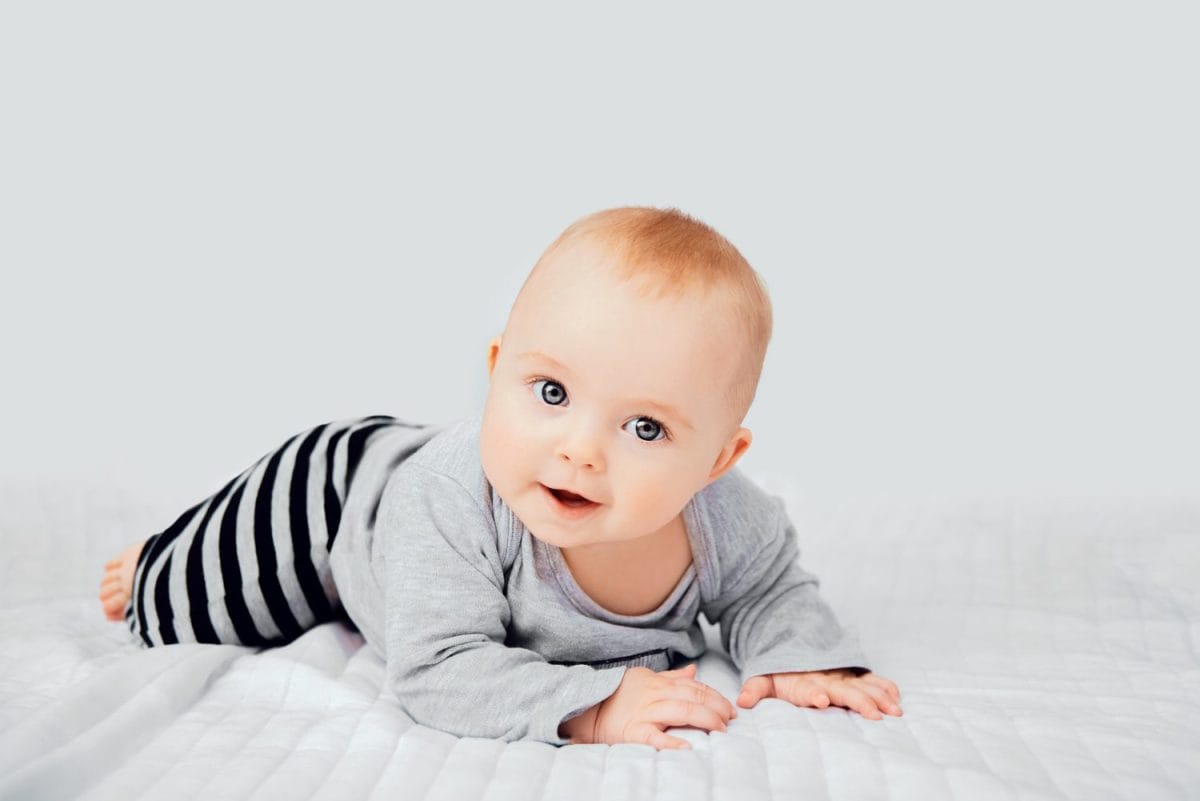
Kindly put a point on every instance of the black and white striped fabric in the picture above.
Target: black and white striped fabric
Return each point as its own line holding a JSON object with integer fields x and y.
{"x": 250, "y": 564}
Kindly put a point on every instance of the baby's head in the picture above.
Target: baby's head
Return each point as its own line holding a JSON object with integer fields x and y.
{"x": 629, "y": 360}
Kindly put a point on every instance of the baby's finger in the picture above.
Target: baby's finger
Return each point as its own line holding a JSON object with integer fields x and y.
{"x": 685, "y": 670}
{"x": 651, "y": 735}
{"x": 882, "y": 699}
{"x": 811, "y": 697}
{"x": 879, "y": 681}
{"x": 847, "y": 695}
{"x": 681, "y": 712}
{"x": 698, "y": 691}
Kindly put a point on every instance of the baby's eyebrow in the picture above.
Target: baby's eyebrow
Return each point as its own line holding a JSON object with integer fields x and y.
{"x": 534, "y": 354}
{"x": 669, "y": 412}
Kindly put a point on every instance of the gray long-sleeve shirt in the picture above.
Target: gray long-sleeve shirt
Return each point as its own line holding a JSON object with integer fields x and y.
{"x": 486, "y": 634}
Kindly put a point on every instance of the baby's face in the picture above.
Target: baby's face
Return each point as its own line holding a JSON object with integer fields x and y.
{"x": 615, "y": 398}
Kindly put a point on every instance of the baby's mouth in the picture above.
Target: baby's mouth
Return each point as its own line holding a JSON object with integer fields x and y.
{"x": 569, "y": 498}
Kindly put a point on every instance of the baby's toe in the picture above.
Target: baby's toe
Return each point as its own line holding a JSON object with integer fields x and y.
{"x": 114, "y": 608}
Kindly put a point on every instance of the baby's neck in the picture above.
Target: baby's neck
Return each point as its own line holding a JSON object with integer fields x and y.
{"x": 632, "y": 577}
{"x": 617, "y": 551}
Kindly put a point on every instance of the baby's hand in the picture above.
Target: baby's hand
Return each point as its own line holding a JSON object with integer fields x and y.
{"x": 647, "y": 702}
{"x": 866, "y": 694}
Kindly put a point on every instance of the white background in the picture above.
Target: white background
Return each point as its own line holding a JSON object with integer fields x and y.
{"x": 224, "y": 223}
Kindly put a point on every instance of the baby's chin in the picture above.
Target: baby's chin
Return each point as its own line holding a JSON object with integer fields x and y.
{"x": 559, "y": 539}
{"x": 566, "y": 534}
{"x": 558, "y": 542}
{"x": 562, "y": 536}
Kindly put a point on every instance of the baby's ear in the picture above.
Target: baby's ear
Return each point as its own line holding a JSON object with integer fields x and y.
{"x": 738, "y": 444}
{"x": 493, "y": 352}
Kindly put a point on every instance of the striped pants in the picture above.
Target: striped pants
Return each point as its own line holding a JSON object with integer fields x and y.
{"x": 249, "y": 565}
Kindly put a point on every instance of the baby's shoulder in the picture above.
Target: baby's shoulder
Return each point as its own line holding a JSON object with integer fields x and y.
{"x": 451, "y": 459}
{"x": 743, "y": 523}
{"x": 454, "y": 452}
{"x": 736, "y": 503}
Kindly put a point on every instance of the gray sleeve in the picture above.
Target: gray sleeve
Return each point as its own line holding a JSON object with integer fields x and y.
{"x": 773, "y": 620}
{"x": 447, "y": 617}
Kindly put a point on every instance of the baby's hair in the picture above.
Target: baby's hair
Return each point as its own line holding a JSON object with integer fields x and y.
{"x": 669, "y": 254}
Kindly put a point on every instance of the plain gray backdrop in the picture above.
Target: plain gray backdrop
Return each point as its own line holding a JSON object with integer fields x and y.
{"x": 224, "y": 223}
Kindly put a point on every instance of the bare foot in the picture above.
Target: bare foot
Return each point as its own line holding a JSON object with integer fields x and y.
{"x": 117, "y": 585}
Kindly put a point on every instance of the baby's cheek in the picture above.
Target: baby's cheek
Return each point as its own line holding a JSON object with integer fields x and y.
{"x": 648, "y": 506}
{"x": 499, "y": 456}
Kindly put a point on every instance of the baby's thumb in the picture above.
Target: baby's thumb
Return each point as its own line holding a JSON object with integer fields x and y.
{"x": 685, "y": 669}
{"x": 753, "y": 691}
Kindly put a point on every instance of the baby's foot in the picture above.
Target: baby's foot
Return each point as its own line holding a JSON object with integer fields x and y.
{"x": 117, "y": 585}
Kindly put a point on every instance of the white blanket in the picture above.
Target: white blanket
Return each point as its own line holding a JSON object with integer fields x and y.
{"x": 1044, "y": 649}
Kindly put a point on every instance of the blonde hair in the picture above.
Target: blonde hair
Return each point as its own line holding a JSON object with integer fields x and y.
{"x": 669, "y": 254}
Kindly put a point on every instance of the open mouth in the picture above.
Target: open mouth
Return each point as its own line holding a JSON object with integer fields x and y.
{"x": 567, "y": 500}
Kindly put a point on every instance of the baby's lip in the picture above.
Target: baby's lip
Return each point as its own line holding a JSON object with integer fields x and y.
{"x": 567, "y": 489}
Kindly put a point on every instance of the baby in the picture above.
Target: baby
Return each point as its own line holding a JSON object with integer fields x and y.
{"x": 536, "y": 572}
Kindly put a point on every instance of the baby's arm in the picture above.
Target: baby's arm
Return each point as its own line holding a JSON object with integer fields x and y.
{"x": 582, "y": 727}
{"x": 783, "y": 636}
{"x": 446, "y": 618}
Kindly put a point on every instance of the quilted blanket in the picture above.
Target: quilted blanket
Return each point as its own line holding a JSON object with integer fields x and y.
{"x": 1045, "y": 648}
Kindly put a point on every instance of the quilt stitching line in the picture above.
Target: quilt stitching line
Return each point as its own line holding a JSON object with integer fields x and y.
{"x": 357, "y": 725}
{"x": 1151, "y": 758}
{"x": 383, "y": 764}
{"x": 541, "y": 791}
{"x": 492, "y": 769}
{"x": 983, "y": 760}
{"x": 157, "y": 676}
{"x": 556, "y": 762}
{"x": 820, "y": 761}
{"x": 162, "y": 777}
{"x": 412, "y": 738}
{"x": 920, "y": 749}
{"x": 260, "y": 729}
{"x": 929, "y": 686}
{"x": 1048, "y": 774}
{"x": 274, "y": 712}
{"x": 655, "y": 777}
{"x": 762, "y": 744}
{"x": 1141, "y": 617}
{"x": 950, "y": 707}
{"x": 1010, "y": 510}
{"x": 1093, "y": 585}
{"x": 433, "y": 782}
{"x": 1173, "y": 602}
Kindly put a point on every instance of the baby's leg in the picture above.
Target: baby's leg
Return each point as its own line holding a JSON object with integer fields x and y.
{"x": 250, "y": 564}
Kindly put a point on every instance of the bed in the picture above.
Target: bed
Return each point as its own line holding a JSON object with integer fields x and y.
{"x": 1045, "y": 648}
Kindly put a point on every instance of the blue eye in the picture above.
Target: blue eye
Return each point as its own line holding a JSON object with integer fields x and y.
{"x": 555, "y": 394}
{"x": 653, "y": 425}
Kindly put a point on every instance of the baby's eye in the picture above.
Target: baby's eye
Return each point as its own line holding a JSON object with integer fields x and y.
{"x": 555, "y": 394}
{"x": 648, "y": 425}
